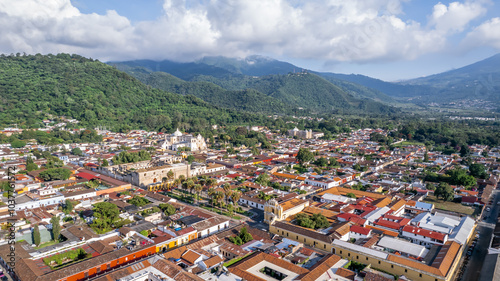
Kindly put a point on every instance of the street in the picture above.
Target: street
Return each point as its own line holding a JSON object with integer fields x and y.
{"x": 477, "y": 265}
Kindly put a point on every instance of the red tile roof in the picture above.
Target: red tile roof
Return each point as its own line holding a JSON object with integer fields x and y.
{"x": 424, "y": 232}
{"x": 360, "y": 229}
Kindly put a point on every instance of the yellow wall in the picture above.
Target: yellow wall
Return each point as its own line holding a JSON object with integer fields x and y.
{"x": 376, "y": 263}
{"x": 302, "y": 239}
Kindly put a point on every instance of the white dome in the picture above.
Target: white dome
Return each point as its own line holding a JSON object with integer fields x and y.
{"x": 177, "y": 133}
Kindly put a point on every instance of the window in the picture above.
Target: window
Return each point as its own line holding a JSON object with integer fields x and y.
{"x": 341, "y": 251}
{"x": 366, "y": 258}
{"x": 108, "y": 266}
{"x": 324, "y": 246}
{"x": 392, "y": 266}
{"x": 304, "y": 240}
{"x": 406, "y": 270}
{"x": 357, "y": 257}
{"x": 98, "y": 270}
{"x": 348, "y": 254}
{"x": 378, "y": 262}
{"x": 420, "y": 275}
{"x": 86, "y": 274}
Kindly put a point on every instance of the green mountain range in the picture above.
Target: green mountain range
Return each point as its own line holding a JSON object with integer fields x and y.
{"x": 284, "y": 92}
{"x": 95, "y": 93}
{"x": 478, "y": 81}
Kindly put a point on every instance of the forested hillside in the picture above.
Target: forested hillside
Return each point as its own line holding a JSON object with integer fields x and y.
{"x": 268, "y": 94}
{"x": 247, "y": 100}
{"x": 95, "y": 93}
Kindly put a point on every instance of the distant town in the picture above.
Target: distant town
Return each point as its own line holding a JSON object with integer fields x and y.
{"x": 176, "y": 206}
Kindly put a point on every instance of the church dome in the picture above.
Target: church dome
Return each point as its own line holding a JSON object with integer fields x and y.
{"x": 177, "y": 133}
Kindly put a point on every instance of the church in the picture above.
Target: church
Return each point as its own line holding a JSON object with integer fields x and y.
{"x": 177, "y": 139}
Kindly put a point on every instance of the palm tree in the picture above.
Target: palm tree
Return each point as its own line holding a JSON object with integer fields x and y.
{"x": 235, "y": 196}
{"x": 219, "y": 196}
{"x": 170, "y": 175}
{"x": 190, "y": 185}
{"x": 164, "y": 183}
{"x": 211, "y": 194}
{"x": 198, "y": 188}
{"x": 227, "y": 189}
{"x": 228, "y": 194}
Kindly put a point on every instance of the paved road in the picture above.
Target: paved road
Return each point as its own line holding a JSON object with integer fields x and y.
{"x": 485, "y": 227}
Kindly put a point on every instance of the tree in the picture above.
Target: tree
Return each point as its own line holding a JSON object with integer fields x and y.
{"x": 320, "y": 220}
{"x": 56, "y": 227}
{"x": 17, "y": 144}
{"x": 211, "y": 194}
{"x": 68, "y": 206}
{"x": 333, "y": 161}
{"x": 30, "y": 165}
{"x": 478, "y": 170}
{"x": 105, "y": 163}
{"x": 263, "y": 179}
{"x": 198, "y": 188}
{"x": 431, "y": 186}
{"x": 235, "y": 196}
{"x": 55, "y": 174}
{"x": 464, "y": 150}
{"x": 445, "y": 191}
{"x": 170, "y": 175}
{"x": 426, "y": 157}
{"x": 255, "y": 151}
{"x": 322, "y": 162}
{"x": 144, "y": 233}
{"x": 167, "y": 209}
{"x": 77, "y": 151}
{"x": 36, "y": 236}
{"x": 190, "y": 159}
{"x": 304, "y": 156}
{"x": 245, "y": 236}
{"x": 138, "y": 201}
{"x": 106, "y": 215}
{"x": 351, "y": 195}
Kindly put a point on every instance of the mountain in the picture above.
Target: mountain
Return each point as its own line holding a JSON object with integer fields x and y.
{"x": 251, "y": 65}
{"x": 249, "y": 80}
{"x": 475, "y": 85}
{"x": 387, "y": 88}
{"x": 234, "y": 73}
{"x": 185, "y": 71}
{"x": 97, "y": 94}
{"x": 247, "y": 100}
{"x": 477, "y": 81}
{"x": 278, "y": 93}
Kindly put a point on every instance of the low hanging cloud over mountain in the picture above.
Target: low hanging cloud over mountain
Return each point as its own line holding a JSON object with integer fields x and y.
{"x": 353, "y": 31}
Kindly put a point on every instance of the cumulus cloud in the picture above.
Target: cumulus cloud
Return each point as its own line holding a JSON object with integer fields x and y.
{"x": 486, "y": 34}
{"x": 335, "y": 30}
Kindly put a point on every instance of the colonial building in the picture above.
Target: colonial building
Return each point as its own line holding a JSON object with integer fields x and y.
{"x": 305, "y": 134}
{"x": 178, "y": 139}
{"x": 274, "y": 211}
{"x": 147, "y": 176}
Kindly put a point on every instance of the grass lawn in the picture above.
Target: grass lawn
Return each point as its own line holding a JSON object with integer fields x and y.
{"x": 218, "y": 211}
{"x": 46, "y": 244}
{"x": 449, "y": 206}
{"x": 408, "y": 143}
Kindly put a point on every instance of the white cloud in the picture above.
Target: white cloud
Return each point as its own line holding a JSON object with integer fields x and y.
{"x": 486, "y": 34}
{"x": 455, "y": 16}
{"x": 334, "y": 30}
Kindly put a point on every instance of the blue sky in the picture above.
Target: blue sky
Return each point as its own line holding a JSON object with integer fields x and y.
{"x": 386, "y": 39}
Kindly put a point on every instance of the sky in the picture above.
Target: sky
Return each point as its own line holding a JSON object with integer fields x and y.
{"x": 386, "y": 39}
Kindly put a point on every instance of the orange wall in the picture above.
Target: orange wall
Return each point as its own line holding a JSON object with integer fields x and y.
{"x": 92, "y": 271}
{"x": 114, "y": 189}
